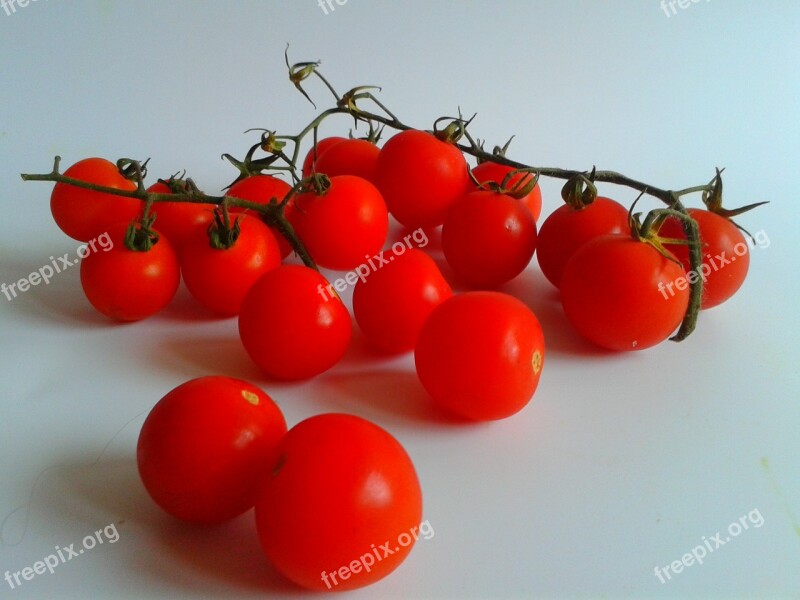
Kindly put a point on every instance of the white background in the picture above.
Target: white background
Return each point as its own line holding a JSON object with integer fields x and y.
{"x": 620, "y": 463}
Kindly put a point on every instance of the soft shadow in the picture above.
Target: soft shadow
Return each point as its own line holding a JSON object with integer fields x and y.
{"x": 210, "y": 355}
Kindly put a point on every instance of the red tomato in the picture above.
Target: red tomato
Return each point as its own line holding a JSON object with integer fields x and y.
{"x": 480, "y": 355}
{"x": 488, "y": 238}
{"x": 204, "y": 445}
{"x": 350, "y": 157}
{"x": 567, "y": 229}
{"x": 261, "y": 189}
{"x": 346, "y": 224}
{"x": 726, "y": 255}
{"x": 84, "y": 214}
{"x": 491, "y": 171}
{"x": 391, "y": 303}
{"x": 220, "y": 278}
{"x": 178, "y": 220}
{"x": 341, "y": 507}
{"x": 128, "y": 285}
{"x": 420, "y": 177}
{"x": 611, "y": 294}
{"x": 322, "y": 145}
{"x": 291, "y": 327}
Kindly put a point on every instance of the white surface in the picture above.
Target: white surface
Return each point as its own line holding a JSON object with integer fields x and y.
{"x": 621, "y": 462}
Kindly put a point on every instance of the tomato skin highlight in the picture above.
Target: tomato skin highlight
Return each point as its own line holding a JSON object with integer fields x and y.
{"x": 127, "y": 285}
{"x": 84, "y": 214}
{"x": 204, "y": 445}
{"x": 565, "y": 230}
{"x": 291, "y": 326}
{"x": 391, "y": 304}
{"x": 420, "y": 177}
{"x": 350, "y": 157}
{"x": 725, "y": 252}
{"x": 340, "y": 488}
{"x": 488, "y": 238}
{"x": 220, "y": 278}
{"x": 178, "y": 220}
{"x": 492, "y": 171}
{"x": 480, "y": 355}
{"x": 615, "y": 293}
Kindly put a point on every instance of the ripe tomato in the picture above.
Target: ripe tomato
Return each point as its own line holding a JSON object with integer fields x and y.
{"x": 488, "y": 238}
{"x": 344, "y": 225}
{"x": 178, "y": 220}
{"x": 341, "y": 507}
{"x": 219, "y": 278}
{"x": 350, "y": 157}
{"x": 567, "y": 229}
{"x": 480, "y": 355}
{"x": 726, "y": 255}
{"x": 322, "y": 145}
{"x": 491, "y": 171}
{"x": 85, "y": 214}
{"x": 420, "y": 177}
{"x": 610, "y": 291}
{"x": 290, "y": 327}
{"x": 391, "y": 303}
{"x": 128, "y": 285}
{"x": 261, "y": 189}
{"x": 203, "y": 446}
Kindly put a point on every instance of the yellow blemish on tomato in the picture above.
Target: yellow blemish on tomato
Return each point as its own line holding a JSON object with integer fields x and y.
{"x": 250, "y": 397}
{"x": 537, "y": 362}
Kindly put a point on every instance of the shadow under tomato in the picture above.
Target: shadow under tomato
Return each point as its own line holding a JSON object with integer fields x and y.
{"x": 195, "y": 356}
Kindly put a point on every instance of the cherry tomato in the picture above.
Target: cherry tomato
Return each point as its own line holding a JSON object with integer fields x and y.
{"x": 219, "y": 278}
{"x": 567, "y": 229}
{"x": 85, "y": 214}
{"x": 261, "y": 189}
{"x": 292, "y": 324}
{"x": 341, "y": 507}
{"x": 350, "y": 157}
{"x": 343, "y": 226}
{"x": 492, "y": 171}
{"x": 322, "y": 145}
{"x": 726, "y": 255}
{"x": 391, "y": 303}
{"x": 178, "y": 220}
{"x": 610, "y": 291}
{"x": 420, "y": 177}
{"x": 204, "y": 445}
{"x": 129, "y": 285}
{"x": 488, "y": 238}
{"x": 480, "y": 355}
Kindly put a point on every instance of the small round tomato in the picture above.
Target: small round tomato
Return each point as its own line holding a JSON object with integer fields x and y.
{"x": 488, "y": 238}
{"x": 313, "y": 154}
{"x": 342, "y": 491}
{"x": 726, "y": 254}
{"x": 204, "y": 445}
{"x": 343, "y": 225}
{"x": 293, "y": 325}
{"x": 130, "y": 285}
{"x": 492, "y": 171}
{"x": 567, "y": 229}
{"x": 420, "y": 177}
{"x": 480, "y": 355}
{"x": 350, "y": 157}
{"x": 219, "y": 277}
{"x": 85, "y": 214}
{"x": 611, "y": 293}
{"x": 178, "y": 220}
{"x": 261, "y": 189}
{"x": 391, "y": 303}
